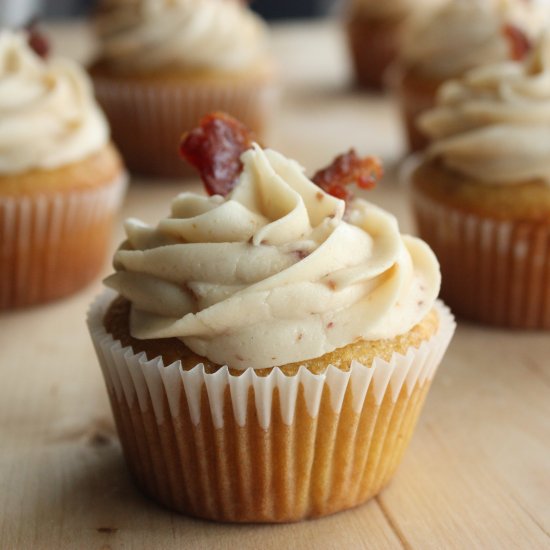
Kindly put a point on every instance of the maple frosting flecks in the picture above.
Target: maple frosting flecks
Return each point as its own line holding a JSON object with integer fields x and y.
{"x": 149, "y": 35}
{"x": 463, "y": 34}
{"x": 275, "y": 273}
{"x": 48, "y": 114}
{"x": 494, "y": 123}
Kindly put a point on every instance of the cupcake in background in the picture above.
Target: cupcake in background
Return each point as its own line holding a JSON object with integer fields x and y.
{"x": 267, "y": 352}
{"x": 458, "y": 37}
{"x": 61, "y": 180}
{"x": 375, "y": 30}
{"x": 482, "y": 192}
{"x": 163, "y": 65}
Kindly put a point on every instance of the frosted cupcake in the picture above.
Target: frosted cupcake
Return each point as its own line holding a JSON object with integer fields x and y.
{"x": 458, "y": 37}
{"x": 482, "y": 193}
{"x": 375, "y": 31}
{"x": 61, "y": 180}
{"x": 163, "y": 65}
{"x": 267, "y": 353}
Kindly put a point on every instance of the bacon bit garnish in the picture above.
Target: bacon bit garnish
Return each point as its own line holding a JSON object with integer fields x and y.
{"x": 518, "y": 42}
{"x": 301, "y": 254}
{"x": 215, "y": 148}
{"x": 37, "y": 40}
{"x": 346, "y": 169}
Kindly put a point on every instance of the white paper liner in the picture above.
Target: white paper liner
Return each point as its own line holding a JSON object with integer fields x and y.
{"x": 131, "y": 376}
{"x": 148, "y": 118}
{"x": 494, "y": 271}
{"x": 39, "y": 222}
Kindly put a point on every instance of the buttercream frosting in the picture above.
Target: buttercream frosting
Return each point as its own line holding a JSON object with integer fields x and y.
{"x": 494, "y": 123}
{"x": 275, "y": 273}
{"x": 48, "y": 115}
{"x": 461, "y": 35}
{"x": 148, "y": 35}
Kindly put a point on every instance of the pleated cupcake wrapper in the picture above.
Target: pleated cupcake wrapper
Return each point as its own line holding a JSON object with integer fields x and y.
{"x": 494, "y": 271}
{"x": 264, "y": 449}
{"x": 413, "y": 102}
{"x": 148, "y": 118}
{"x": 51, "y": 244}
{"x": 373, "y": 46}
{"x": 136, "y": 378}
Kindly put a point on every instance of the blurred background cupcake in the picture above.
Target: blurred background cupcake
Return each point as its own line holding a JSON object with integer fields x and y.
{"x": 457, "y": 37}
{"x": 375, "y": 31}
{"x": 61, "y": 180}
{"x": 482, "y": 193}
{"x": 162, "y": 65}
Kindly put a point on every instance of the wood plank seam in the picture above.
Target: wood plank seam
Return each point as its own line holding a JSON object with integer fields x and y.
{"x": 392, "y": 523}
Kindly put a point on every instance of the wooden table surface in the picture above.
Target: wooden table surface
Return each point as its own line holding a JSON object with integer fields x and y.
{"x": 476, "y": 476}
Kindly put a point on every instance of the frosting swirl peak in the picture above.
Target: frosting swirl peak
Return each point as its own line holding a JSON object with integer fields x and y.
{"x": 276, "y": 273}
{"x": 461, "y": 35}
{"x": 48, "y": 114}
{"x": 494, "y": 123}
{"x": 148, "y": 35}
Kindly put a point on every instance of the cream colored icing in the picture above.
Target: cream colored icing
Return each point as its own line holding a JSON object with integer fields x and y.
{"x": 462, "y": 35}
{"x": 494, "y": 123}
{"x": 394, "y": 8}
{"x": 148, "y": 35}
{"x": 276, "y": 273}
{"x": 533, "y": 16}
{"x": 48, "y": 115}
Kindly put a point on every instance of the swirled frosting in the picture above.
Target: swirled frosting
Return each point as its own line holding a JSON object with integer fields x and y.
{"x": 394, "y": 8}
{"x": 463, "y": 34}
{"x": 494, "y": 123}
{"x": 48, "y": 115}
{"x": 275, "y": 273}
{"x": 148, "y": 35}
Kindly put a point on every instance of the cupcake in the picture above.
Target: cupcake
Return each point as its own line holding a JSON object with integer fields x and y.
{"x": 482, "y": 191}
{"x": 375, "y": 30}
{"x": 61, "y": 180}
{"x": 454, "y": 39}
{"x": 163, "y": 65}
{"x": 267, "y": 353}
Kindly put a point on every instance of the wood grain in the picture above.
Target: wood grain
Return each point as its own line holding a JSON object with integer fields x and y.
{"x": 477, "y": 475}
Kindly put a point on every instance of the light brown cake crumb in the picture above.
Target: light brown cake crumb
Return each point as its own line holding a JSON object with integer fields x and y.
{"x": 116, "y": 322}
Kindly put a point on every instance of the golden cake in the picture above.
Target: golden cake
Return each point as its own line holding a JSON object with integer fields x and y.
{"x": 267, "y": 350}
{"x": 482, "y": 193}
{"x": 61, "y": 181}
{"x": 450, "y": 41}
{"x": 162, "y": 66}
{"x": 375, "y": 31}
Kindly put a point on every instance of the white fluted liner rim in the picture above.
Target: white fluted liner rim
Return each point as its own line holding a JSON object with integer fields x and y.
{"x": 131, "y": 376}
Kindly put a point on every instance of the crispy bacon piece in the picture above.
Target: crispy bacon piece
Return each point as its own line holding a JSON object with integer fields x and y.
{"x": 215, "y": 148}
{"x": 37, "y": 40}
{"x": 349, "y": 168}
{"x": 519, "y": 43}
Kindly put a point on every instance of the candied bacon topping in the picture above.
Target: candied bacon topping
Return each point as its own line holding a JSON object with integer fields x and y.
{"x": 349, "y": 168}
{"x": 519, "y": 43}
{"x": 215, "y": 148}
{"x": 37, "y": 40}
